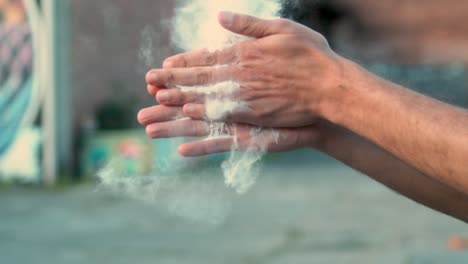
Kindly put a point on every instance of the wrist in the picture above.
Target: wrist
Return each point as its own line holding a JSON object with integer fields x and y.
{"x": 327, "y": 133}
{"x": 338, "y": 97}
{"x": 333, "y": 139}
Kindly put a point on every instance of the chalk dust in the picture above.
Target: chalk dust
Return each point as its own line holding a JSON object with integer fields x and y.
{"x": 178, "y": 184}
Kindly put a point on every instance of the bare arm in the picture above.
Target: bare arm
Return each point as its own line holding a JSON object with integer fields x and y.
{"x": 343, "y": 145}
{"x": 289, "y": 77}
{"x": 428, "y": 134}
{"x": 382, "y": 166}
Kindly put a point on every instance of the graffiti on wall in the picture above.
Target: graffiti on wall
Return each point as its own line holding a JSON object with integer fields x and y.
{"x": 16, "y": 57}
{"x": 12, "y": 11}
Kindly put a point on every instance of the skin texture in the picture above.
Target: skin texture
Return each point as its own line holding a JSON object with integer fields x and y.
{"x": 281, "y": 52}
{"x": 428, "y": 134}
{"x": 292, "y": 80}
{"x": 379, "y": 164}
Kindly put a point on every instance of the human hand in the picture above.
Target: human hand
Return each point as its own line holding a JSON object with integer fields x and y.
{"x": 162, "y": 122}
{"x": 285, "y": 74}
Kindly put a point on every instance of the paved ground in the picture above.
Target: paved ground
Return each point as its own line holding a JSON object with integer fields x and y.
{"x": 315, "y": 213}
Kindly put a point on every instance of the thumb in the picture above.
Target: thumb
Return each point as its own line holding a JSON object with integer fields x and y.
{"x": 248, "y": 25}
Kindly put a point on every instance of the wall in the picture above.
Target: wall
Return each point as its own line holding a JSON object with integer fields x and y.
{"x": 403, "y": 31}
{"x": 106, "y": 38}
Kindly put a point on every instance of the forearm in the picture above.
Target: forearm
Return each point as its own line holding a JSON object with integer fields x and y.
{"x": 430, "y": 135}
{"x": 382, "y": 166}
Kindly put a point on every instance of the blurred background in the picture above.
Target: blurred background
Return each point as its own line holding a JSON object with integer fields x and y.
{"x": 72, "y": 80}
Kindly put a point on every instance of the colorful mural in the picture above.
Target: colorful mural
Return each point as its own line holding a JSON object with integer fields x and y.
{"x": 12, "y": 12}
{"x": 16, "y": 60}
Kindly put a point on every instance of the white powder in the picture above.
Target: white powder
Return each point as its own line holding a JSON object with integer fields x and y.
{"x": 183, "y": 186}
{"x": 196, "y": 23}
{"x": 198, "y": 198}
{"x": 217, "y": 109}
{"x": 196, "y": 27}
{"x": 227, "y": 87}
{"x": 146, "y": 54}
{"x": 241, "y": 169}
{"x": 218, "y": 96}
{"x": 217, "y": 130}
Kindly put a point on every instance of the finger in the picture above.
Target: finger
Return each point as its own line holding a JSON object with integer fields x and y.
{"x": 170, "y": 78}
{"x": 195, "y": 111}
{"x": 286, "y": 139}
{"x": 201, "y": 111}
{"x": 159, "y": 113}
{"x": 245, "y": 140}
{"x": 202, "y": 57}
{"x": 252, "y": 26}
{"x": 177, "y": 97}
{"x": 206, "y": 147}
{"x": 178, "y": 128}
{"x": 207, "y": 112}
{"x": 153, "y": 90}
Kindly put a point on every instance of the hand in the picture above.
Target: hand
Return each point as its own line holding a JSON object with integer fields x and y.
{"x": 160, "y": 122}
{"x": 285, "y": 74}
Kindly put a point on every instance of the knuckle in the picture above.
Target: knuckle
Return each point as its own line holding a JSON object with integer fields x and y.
{"x": 227, "y": 55}
{"x": 166, "y": 114}
{"x": 282, "y": 23}
{"x": 245, "y": 24}
{"x": 245, "y": 55}
{"x": 198, "y": 129}
{"x": 210, "y": 58}
{"x": 247, "y": 52}
{"x": 322, "y": 42}
{"x": 321, "y": 38}
{"x": 203, "y": 76}
{"x": 180, "y": 98}
{"x": 183, "y": 61}
{"x": 170, "y": 78}
{"x": 155, "y": 131}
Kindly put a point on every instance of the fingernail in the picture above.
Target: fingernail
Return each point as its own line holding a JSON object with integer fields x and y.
{"x": 163, "y": 96}
{"x": 189, "y": 109}
{"x": 168, "y": 64}
{"x": 152, "y": 77}
{"x": 226, "y": 18}
{"x": 141, "y": 117}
